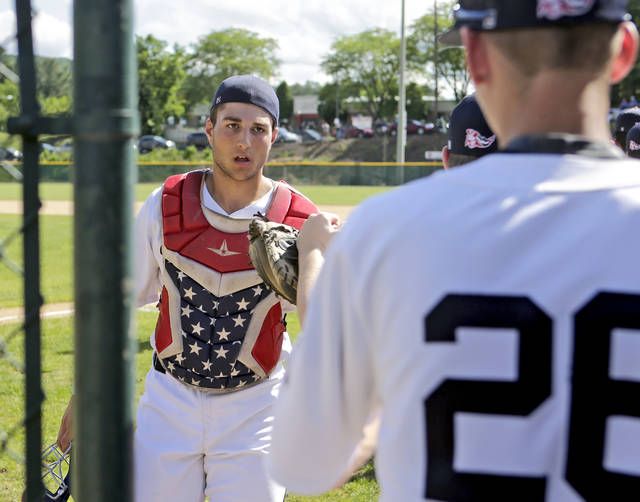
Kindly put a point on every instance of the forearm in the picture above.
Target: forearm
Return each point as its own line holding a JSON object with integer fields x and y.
{"x": 309, "y": 265}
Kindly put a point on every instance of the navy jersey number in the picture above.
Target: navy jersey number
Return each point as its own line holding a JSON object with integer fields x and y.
{"x": 595, "y": 396}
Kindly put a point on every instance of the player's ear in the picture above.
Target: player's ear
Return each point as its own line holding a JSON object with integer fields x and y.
{"x": 208, "y": 130}
{"x": 274, "y": 135}
{"x": 625, "y": 51}
{"x": 445, "y": 157}
{"x": 476, "y": 50}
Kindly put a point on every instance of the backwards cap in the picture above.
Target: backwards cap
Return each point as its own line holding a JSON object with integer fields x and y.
{"x": 248, "y": 89}
{"x": 633, "y": 142}
{"x": 469, "y": 133}
{"x": 489, "y": 15}
{"x": 625, "y": 120}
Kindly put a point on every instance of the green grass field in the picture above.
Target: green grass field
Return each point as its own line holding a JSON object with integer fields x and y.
{"x": 321, "y": 195}
{"x": 57, "y": 352}
{"x": 57, "y": 378}
{"x": 56, "y": 255}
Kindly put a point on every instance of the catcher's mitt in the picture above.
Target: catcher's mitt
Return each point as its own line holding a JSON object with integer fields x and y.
{"x": 274, "y": 254}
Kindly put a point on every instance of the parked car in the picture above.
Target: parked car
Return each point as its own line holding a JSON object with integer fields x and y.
{"x": 357, "y": 132}
{"x": 67, "y": 146}
{"x": 149, "y": 142}
{"x": 286, "y": 136}
{"x": 199, "y": 140}
{"x": 7, "y": 153}
{"x": 311, "y": 135}
{"x": 48, "y": 147}
{"x": 381, "y": 127}
{"x": 414, "y": 127}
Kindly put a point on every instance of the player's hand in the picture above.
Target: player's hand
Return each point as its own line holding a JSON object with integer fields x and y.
{"x": 65, "y": 433}
{"x": 317, "y": 232}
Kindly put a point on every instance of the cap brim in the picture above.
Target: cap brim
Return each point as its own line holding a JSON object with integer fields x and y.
{"x": 451, "y": 38}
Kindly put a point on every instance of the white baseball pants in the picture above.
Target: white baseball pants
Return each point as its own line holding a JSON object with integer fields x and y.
{"x": 190, "y": 444}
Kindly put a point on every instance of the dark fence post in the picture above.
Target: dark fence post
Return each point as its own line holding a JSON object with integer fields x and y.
{"x": 105, "y": 121}
{"x": 29, "y": 112}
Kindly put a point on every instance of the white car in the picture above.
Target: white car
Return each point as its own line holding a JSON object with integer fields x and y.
{"x": 286, "y": 136}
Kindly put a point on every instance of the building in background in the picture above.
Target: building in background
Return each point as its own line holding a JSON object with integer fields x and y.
{"x": 305, "y": 113}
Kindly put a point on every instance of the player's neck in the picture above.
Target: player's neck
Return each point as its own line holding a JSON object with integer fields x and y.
{"x": 232, "y": 195}
{"x": 558, "y": 102}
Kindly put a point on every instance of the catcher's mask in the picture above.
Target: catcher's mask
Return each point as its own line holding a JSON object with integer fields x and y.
{"x": 56, "y": 473}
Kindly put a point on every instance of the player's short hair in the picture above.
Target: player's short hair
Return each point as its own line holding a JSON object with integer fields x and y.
{"x": 459, "y": 159}
{"x": 581, "y": 47}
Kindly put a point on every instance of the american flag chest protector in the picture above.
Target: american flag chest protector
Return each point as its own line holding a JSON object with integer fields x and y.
{"x": 219, "y": 327}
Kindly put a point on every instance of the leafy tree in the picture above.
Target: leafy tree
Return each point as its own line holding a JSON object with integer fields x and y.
{"x": 416, "y": 107}
{"x": 286, "y": 101}
{"x": 306, "y": 89}
{"x": 160, "y": 75}
{"x": 54, "y": 77}
{"x": 367, "y": 63}
{"x": 53, "y": 85}
{"x": 56, "y": 105}
{"x": 9, "y": 102}
{"x": 327, "y": 97}
{"x": 221, "y": 54}
{"x": 421, "y": 52}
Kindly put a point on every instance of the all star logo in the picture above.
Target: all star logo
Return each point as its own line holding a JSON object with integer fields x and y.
{"x": 218, "y": 99}
{"x": 475, "y": 140}
{"x": 223, "y": 250}
{"x": 555, "y": 9}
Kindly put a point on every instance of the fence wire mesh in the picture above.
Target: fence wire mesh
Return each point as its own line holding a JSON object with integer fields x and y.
{"x": 14, "y": 324}
{"x": 11, "y": 334}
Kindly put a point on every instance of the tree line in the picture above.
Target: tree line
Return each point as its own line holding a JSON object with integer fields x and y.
{"x": 363, "y": 70}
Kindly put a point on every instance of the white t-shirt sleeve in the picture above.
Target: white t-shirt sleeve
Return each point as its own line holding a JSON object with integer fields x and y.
{"x": 327, "y": 396}
{"x": 147, "y": 258}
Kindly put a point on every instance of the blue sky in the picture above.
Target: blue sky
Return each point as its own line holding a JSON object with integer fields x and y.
{"x": 304, "y": 29}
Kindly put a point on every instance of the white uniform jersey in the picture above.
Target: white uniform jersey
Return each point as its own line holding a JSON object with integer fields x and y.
{"x": 492, "y": 312}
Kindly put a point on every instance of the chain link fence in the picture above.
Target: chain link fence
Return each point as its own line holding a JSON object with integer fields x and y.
{"x": 9, "y": 173}
{"x": 20, "y": 415}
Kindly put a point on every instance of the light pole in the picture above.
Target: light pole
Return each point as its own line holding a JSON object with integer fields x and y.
{"x": 401, "y": 129}
{"x": 435, "y": 56}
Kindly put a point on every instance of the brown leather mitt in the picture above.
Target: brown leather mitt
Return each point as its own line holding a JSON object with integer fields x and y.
{"x": 273, "y": 253}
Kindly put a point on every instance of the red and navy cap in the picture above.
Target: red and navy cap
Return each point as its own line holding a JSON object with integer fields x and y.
{"x": 248, "y": 89}
{"x": 469, "y": 133}
{"x": 625, "y": 120}
{"x": 490, "y": 15}
{"x": 633, "y": 142}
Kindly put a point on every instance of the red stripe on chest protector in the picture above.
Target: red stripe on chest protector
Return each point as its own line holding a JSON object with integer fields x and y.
{"x": 163, "y": 325}
{"x": 187, "y": 231}
{"x": 266, "y": 350}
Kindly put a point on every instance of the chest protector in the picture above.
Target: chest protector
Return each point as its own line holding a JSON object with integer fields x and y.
{"x": 220, "y": 328}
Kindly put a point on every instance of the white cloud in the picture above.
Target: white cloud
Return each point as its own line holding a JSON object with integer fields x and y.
{"x": 52, "y": 36}
{"x": 304, "y": 29}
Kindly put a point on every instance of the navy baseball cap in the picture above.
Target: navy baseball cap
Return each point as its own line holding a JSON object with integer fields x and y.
{"x": 633, "y": 142}
{"x": 625, "y": 120}
{"x": 490, "y": 15}
{"x": 469, "y": 133}
{"x": 248, "y": 89}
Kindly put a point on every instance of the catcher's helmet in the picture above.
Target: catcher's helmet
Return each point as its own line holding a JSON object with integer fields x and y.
{"x": 56, "y": 473}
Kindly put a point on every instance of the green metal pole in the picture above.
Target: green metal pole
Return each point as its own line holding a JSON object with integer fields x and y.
{"x": 105, "y": 122}
{"x": 31, "y": 252}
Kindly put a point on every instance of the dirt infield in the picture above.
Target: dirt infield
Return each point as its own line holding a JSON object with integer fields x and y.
{"x": 65, "y": 208}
